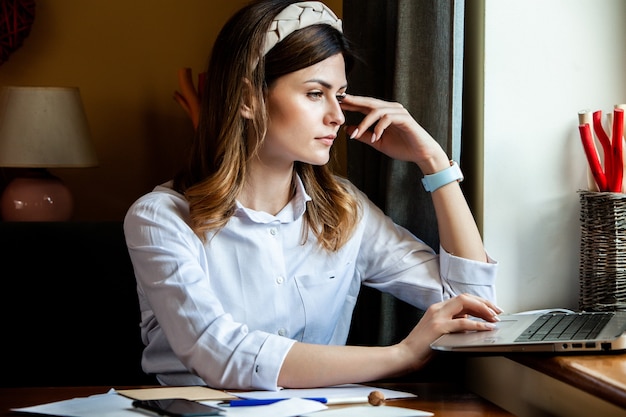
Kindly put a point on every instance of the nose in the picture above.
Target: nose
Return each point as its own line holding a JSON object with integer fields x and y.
{"x": 334, "y": 115}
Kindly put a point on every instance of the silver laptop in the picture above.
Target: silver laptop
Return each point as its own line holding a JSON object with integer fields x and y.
{"x": 544, "y": 332}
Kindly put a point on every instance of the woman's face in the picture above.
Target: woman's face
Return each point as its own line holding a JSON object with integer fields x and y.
{"x": 304, "y": 114}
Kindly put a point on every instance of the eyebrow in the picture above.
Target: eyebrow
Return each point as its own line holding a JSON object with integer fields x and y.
{"x": 324, "y": 83}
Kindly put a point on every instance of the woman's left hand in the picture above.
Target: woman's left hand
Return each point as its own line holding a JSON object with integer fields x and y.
{"x": 390, "y": 128}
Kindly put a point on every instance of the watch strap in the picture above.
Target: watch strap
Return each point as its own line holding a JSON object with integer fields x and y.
{"x": 434, "y": 181}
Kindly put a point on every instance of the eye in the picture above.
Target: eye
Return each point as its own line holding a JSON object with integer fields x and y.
{"x": 315, "y": 95}
{"x": 340, "y": 97}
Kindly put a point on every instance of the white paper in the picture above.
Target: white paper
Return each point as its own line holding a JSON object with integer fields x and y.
{"x": 337, "y": 391}
{"x": 113, "y": 404}
{"x": 370, "y": 411}
{"x": 100, "y": 405}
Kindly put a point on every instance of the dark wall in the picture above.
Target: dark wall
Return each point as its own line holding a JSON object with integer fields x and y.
{"x": 69, "y": 313}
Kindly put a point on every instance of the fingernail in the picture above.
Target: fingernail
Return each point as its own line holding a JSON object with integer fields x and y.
{"x": 489, "y": 325}
{"x": 373, "y": 137}
{"x": 354, "y": 133}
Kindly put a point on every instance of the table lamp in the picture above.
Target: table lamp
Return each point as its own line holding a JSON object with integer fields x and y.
{"x": 41, "y": 128}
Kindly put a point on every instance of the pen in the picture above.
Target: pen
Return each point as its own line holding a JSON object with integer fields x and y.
{"x": 265, "y": 401}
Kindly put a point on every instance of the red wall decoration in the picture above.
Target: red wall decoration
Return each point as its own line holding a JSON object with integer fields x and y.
{"x": 16, "y": 19}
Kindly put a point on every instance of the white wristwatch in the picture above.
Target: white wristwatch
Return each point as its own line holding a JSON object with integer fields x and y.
{"x": 445, "y": 176}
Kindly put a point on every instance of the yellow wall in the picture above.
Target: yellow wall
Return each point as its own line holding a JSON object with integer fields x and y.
{"x": 124, "y": 56}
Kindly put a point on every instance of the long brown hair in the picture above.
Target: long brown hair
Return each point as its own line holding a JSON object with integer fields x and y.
{"x": 238, "y": 74}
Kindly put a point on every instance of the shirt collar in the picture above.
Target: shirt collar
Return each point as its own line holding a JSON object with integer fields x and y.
{"x": 294, "y": 209}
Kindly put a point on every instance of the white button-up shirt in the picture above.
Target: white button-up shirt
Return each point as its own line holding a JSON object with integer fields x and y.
{"x": 227, "y": 311}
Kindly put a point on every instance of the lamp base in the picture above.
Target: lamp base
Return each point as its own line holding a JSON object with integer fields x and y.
{"x": 37, "y": 197}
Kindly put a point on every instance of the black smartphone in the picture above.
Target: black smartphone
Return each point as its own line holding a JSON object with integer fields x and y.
{"x": 178, "y": 407}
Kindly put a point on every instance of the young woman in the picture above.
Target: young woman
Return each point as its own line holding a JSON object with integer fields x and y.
{"x": 249, "y": 263}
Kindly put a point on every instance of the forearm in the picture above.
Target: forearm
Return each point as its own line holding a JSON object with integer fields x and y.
{"x": 309, "y": 365}
{"x": 458, "y": 232}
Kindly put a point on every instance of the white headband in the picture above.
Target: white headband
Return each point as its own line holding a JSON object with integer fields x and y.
{"x": 297, "y": 16}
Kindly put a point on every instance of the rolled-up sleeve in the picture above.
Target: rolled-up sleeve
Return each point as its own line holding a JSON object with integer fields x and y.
{"x": 393, "y": 260}
{"x": 460, "y": 275}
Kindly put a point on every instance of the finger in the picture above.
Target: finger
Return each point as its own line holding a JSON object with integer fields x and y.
{"x": 363, "y": 126}
{"x": 492, "y": 307}
{"x": 349, "y": 129}
{"x": 361, "y": 102}
{"x": 468, "y": 325}
{"x": 354, "y": 132}
{"x": 383, "y": 123}
{"x": 380, "y": 117}
{"x": 365, "y": 137}
{"x": 373, "y": 109}
{"x": 355, "y": 103}
{"x": 472, "y": 305}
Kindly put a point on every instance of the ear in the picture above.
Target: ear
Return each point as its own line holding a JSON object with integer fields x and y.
{"x": 246, "y": 109}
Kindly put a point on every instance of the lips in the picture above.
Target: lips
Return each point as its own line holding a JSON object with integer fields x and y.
{"x": 328, "y": 140}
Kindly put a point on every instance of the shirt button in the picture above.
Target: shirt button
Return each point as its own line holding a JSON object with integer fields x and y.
{"x": 282, "y": 332}
{"x": 280, "y": 280}
{"x": 273, "y": 231}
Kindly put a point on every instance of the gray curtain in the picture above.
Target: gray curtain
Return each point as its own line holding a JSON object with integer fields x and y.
{"x": 411, "y": 52}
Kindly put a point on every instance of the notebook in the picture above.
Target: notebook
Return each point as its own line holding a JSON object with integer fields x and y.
{"x": 544, "y": 331}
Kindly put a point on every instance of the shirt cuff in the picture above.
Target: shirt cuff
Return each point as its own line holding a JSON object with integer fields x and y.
{"x": 467, "y": 271}
{"x": 269, "y": 362}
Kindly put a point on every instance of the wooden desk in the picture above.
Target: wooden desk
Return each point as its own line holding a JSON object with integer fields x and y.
{"x": 441, "y": 399}
{"x": 603, "y": 376}
{"x": 552, "y": 385}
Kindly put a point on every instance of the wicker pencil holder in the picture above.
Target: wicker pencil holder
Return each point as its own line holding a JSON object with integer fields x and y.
{"x": 602, "y": 274}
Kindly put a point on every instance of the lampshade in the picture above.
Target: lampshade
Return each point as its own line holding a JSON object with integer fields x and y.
{"x": 42, "y": 127}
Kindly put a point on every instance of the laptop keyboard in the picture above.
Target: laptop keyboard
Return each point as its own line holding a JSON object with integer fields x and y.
{"x": 556, "y": 327}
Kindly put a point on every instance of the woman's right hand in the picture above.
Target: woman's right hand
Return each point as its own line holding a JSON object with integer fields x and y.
{"x": 449, "y": 316}
{"x": 389, "y": 128}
